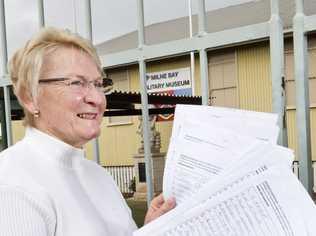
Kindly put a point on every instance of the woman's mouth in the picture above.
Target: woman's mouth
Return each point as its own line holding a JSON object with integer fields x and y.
{"x": 87, "y": 116}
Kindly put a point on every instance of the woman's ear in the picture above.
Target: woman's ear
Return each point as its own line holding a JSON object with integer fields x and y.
{"x": 28, "y": 102}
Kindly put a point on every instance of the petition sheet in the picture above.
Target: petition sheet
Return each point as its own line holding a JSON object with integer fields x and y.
{"x": 259, "y": 125}
{"x": 198, "y": 121}
{"x": 201, "y": 156}
{"x": 251, "y": 200}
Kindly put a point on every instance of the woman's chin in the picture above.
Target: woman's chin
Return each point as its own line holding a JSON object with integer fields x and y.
{"x": 86, "y": 131}
{"x": 90, "y": 134}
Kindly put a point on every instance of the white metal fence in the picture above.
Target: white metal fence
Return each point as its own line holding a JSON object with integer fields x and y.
{"x": 202, "y": 42}
{"x": 123, "y": 176}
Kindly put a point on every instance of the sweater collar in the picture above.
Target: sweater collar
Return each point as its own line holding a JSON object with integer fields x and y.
{"x": 53, "y": 148}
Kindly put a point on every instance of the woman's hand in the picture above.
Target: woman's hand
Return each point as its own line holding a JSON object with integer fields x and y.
{"x": 158, "y": 207}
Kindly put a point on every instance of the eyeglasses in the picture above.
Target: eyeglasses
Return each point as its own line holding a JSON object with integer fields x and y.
{"x": 77, "y": 84}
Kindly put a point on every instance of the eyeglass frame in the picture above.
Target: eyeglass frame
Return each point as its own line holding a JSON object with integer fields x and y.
{"x": 107, "y": 84}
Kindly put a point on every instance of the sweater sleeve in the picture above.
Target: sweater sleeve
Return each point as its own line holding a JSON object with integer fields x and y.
{"x": 23, "y": 215}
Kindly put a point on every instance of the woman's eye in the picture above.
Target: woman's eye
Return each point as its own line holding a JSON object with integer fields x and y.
{"x": 76, "y": 83}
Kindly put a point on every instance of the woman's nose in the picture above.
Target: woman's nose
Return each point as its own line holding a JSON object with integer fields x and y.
{"x": 94, "y": 96}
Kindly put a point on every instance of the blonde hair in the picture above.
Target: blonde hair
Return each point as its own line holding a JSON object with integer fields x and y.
{"x": 26, "y": 64}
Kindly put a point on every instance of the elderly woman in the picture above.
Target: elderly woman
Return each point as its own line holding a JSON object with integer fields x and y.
{"x": 47, "y": 187}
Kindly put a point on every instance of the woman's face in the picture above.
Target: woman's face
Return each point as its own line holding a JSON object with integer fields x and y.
{"x": 69, "y": 113}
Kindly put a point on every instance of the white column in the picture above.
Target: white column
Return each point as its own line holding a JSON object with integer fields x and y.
{"x": 41, "y": 13}
{"x": 144, "y": 98}
{"x": 277, "y": 69}
{"x": 88, "y": 27}
{"x": 302, "y": 98}
{"x": 4, "y": 73}
{"x": 203, "y": 54}
{"x": 192, "y": 62}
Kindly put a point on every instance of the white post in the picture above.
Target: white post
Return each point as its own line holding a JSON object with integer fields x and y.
{"x": 191, "y": 53}
{"x": 88, "y": 27}
{"x": 203, "y": 54}
{"x": 277, "y": 69}
{"x": 302, "y": 98}
{"x": 88, "y": 20}
{"x": 144, "y": 99}
{"x": 41, "y": 13}
{"x": 202, "y": 17}
{"x": 4, "y": 71}
{"x": 74, "y": 3}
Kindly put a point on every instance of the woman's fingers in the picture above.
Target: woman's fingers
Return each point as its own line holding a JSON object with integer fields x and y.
{"x": 157, "y": 201}
{"x": 159, "y": 207}
{"x": 167, "y": 206}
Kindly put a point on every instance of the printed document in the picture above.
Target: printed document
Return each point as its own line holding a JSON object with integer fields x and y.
{"x": 229, "y": 177}
{"x": 207, "y": 140}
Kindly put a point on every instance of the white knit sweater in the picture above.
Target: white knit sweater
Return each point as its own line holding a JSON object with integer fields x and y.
{"x": 48, "y": 188}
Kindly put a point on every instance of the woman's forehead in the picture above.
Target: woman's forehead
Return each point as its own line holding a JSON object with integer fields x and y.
{"x": 66, "y": 54}
{"x": 68, "y": 59}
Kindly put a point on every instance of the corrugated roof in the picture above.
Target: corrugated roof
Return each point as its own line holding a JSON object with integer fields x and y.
{"x": 153, "y": 98}
{"x": 123, "y": 104}
{"x": 217, "y": 20}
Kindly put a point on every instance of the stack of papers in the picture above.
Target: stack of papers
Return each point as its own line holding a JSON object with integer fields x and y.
{"x": 229, "y": 177}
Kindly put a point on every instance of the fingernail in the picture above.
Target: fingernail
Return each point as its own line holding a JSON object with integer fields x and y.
{"x": 171, "y": 200}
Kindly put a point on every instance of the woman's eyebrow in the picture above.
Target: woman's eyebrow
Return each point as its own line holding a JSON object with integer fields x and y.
{"x": 87, "y": 78}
